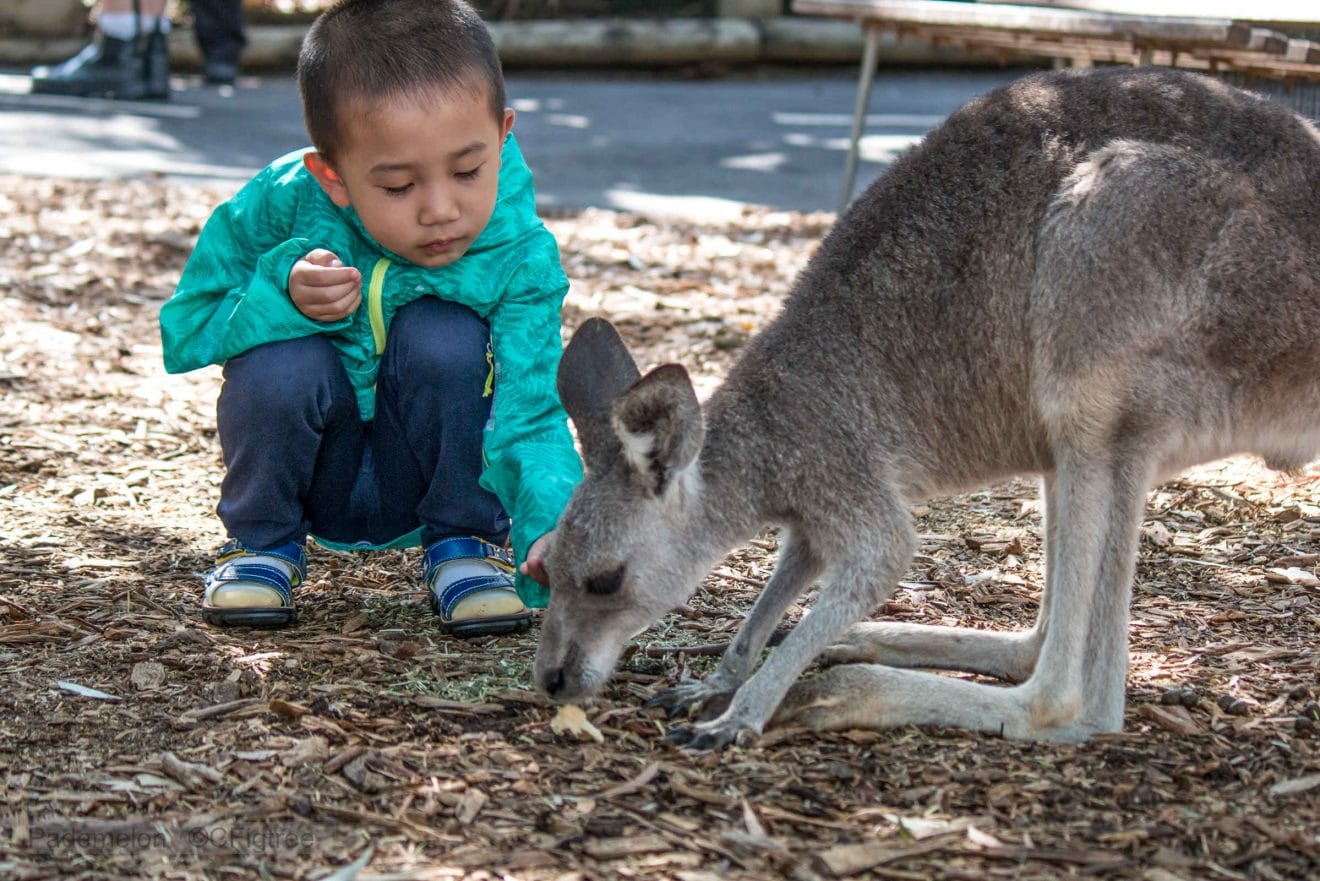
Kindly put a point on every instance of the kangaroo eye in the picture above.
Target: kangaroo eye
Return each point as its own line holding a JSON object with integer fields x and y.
{"x": 606, "y": 582}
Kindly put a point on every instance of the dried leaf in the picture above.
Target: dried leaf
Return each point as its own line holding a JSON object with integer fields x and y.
{"x": 751, "y": 821}
{"x": 1157, "y": 534}
{"x": 288, "y": 709}
{"x": 306, "y": 751}
{"x": 1171, "y": 718}
{"x": 925, "y": 827}
{"x": 572, "y": 721}
{"x": 471, "y": 803}
{"x": 636, "y": 784}
{"x": 84, "y": 691}
{"x": 190, "y": 774}
{"x": 982, "y": 839}
{"x": 1293, "y": 575}
{"x": 1296, "y": 785}
{"x": 147, "y": 675}
{"x": 353, "y": 869}
{"x": 362, "y": 776}
{"x": 21, "y": 832}
{"x": 850, "y": 859}
{"x": 450, "y": 706}
{"x": 630, "y": 846}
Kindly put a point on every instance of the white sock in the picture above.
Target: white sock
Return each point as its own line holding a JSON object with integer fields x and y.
{"x": 466, "y": 567}
{"x": 123, "y": 25}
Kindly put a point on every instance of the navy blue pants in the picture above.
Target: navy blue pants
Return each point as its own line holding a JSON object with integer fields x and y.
{"x": 299, "y": 458}
{"x": 218, "y": 27}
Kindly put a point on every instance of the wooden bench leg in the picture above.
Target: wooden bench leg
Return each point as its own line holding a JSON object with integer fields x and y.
{"x": 870, "y": 56}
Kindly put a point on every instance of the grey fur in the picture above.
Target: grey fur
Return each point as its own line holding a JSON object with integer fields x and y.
{"x": 1102, "y": 277}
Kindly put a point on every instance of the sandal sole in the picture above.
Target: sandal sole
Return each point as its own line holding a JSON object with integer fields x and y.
{"x": 249, "y": 617}
{"x": 485, "y": 627}
{"x": 106, "y": 91}
{"x": 482, "y": 626}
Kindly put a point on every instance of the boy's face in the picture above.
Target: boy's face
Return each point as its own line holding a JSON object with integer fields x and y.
{"x": 422, "y": 172}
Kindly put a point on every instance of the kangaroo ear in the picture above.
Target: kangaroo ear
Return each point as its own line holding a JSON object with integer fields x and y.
{"x": 659, "y": 425}
{"x": 594, "y": 370}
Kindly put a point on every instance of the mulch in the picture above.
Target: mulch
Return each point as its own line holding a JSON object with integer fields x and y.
{"x": 138, "y": 742}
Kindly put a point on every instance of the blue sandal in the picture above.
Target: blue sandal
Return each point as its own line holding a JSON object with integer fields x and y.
{"x": 250, "y": 588}
{"x": 470, "y": 582}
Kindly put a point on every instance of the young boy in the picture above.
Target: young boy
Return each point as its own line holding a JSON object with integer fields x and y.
{"x": 386, "y": 308}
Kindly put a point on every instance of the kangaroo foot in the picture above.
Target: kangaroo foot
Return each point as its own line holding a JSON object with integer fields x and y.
{"x": 826, "y": 702}
{"x": 876, "y": 696}
{"x": 707, "y": 736}
{"x": 858, "y": 644}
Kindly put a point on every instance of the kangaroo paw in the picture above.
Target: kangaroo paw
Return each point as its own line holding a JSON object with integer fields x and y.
{"x": 686, "y": 695}
{"x": 680, "y": 735}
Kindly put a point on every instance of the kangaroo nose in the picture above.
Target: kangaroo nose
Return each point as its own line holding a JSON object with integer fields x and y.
{"x": 554, "y": 682}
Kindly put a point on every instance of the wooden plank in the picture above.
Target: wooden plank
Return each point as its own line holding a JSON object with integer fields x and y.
{"x": 1274, "y": 11}
{"x": 1201, "y": 59}
{"x": 946, "y": 13}
{"x": 1028, "y": 45}
{"x": 1022, "y": 31}
{"x": 1267, "y": 66}
{"x": 1302, "y": 52}
{"x": 1012, "y": 44}
{"x": 1264, "y": 40}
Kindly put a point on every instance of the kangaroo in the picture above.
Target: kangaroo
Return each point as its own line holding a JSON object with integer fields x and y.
{"x": 1100, "y": 277}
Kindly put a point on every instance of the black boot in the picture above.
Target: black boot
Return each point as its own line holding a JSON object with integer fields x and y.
{"x": 111, "y": 68}
{"x": 156, "y": 65}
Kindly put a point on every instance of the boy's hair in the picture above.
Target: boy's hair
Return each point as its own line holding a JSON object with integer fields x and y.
{"x": 373, "y": 50}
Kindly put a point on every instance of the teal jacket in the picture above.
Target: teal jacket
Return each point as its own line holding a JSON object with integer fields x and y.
{"x": 233, "y": 295}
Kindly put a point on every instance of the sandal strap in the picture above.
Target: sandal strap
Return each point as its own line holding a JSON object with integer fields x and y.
{"x": 455, "y": 593}
{"x": 447, "y": 550}
{"x": 290, "y": 552}
{"x": 238, "y": 564}
{"x": 463, "y": 548}
{"x": 255, "y": 573}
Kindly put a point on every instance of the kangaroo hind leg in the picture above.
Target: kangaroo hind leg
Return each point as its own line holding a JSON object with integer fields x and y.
{"x": 1076, "y": 688}
{"x": 1006, "y": 655}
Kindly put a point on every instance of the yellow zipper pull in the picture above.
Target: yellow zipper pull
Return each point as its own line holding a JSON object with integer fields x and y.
{"x": 375, "y": 308}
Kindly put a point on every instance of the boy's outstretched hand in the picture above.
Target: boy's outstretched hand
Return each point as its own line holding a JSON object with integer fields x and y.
{"x": 324, "y": 289}
{"x": 534, "y": 566}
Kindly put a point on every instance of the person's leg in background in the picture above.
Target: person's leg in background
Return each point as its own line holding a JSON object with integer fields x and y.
{"x": 218, "y": 27}
{"x": 128, "y": 58}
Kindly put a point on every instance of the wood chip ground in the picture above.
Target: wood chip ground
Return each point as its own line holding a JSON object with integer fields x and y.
{"x": 137, "y": 742}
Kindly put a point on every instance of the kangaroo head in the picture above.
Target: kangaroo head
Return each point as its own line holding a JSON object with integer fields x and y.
{"x": 622, "y": 552}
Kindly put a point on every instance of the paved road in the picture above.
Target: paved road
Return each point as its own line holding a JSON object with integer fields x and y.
{"x": 685, "y": 147}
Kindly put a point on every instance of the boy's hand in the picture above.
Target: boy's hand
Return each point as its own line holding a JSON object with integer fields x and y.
{"x": 534, "y": 566}
{"x": 324, "y": 289}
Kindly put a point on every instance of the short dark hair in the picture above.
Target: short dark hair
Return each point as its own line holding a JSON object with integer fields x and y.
{"x": 376, "y": 50}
